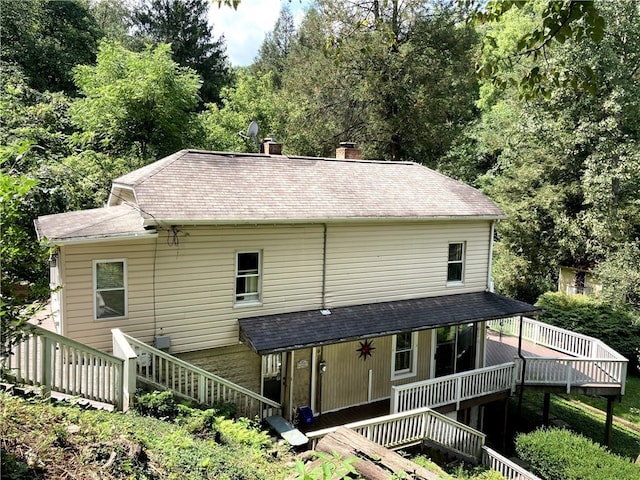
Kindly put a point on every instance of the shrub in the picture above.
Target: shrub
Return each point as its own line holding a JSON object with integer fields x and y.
{"x": 156, "y": 404}
{"x": 558, "y": 454}
{"x": 616, "y": 327}
{"x": 241, "y": 431}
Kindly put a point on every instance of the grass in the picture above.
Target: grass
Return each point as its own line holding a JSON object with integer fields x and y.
{"x": 628, "y": 408}
{"x": 624, "y": 442}
{"x": 44, "y": 440}
{"x": 40, "y": 439}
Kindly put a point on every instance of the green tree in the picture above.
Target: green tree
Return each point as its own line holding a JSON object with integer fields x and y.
{"x": 47, "y": 39}
{"x": 135, "y": 104}
{"x": 275, "y": 49}
{"x": 620, "y": 276}
{"x": 563, "y": 166}
{"x": 17, "y": 294}
{"x": 555, "y": 22}
{"x": 253, "y": 98}
{"x": 394, "y": 76}
{"x": 184, "y": 25}
{"x": 113, "y": 19}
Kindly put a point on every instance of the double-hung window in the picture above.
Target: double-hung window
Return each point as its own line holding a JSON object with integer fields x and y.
{"x": 110, "y": 288}
{"x": 247, "y": 277}
{"x": 404, "y": 360}
{"x": 455, "y": 263}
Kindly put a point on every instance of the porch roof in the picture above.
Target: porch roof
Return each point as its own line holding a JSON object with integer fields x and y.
{"x": 310, "y": 328}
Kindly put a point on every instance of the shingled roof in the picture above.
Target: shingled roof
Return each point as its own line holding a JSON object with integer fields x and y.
{"x": 291, "y": 331}
{"x": 195, "y": 187}
{"x": 94, "y": 224}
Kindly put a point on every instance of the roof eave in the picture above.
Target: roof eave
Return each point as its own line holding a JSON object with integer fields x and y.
{"x": 270, "y": 221}
{"x": 97, "y": 238}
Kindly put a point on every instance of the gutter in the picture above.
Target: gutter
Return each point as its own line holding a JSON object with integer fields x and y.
{"x": 150, "y": 222}
{"x": 97, "y": 239}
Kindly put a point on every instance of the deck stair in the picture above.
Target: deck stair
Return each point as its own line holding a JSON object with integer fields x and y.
{"x": 149, "y": 366}
{"x": 56, "y": 366}
{"x": 425, "y": 426}
{"x": 60, "y": 367}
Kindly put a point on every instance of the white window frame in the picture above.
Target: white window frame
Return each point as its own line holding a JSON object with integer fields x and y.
{"x": 252, "y": 301}
{"x": 124, "y": 288}
{"x": 411, "y": 371}
{"x": 462, "y": 262}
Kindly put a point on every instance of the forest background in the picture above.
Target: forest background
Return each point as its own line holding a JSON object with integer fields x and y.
{"x": 535, "y": 103}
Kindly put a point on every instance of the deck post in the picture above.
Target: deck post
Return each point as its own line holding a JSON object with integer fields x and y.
{"x": 505, "y": 423}
{"x": 46, "y": 366}
{"x": 546, "y": 408}
{"x": 393, "y": 403}
{"x": 608, "y": 426}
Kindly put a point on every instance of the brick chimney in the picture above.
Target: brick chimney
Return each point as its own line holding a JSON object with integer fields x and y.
{"x": 271, "y": 147}
{"x": 348, "y": 151}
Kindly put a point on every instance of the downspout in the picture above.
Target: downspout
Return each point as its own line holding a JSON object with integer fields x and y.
{"x": 490, "y": 261}
{"x": 524, "y": 366}
{"x": 324, "y": 267}
{"x": 324, "y": 307}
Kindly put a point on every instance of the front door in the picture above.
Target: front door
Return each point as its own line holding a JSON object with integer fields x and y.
{"x": 455, "y": 349}
{"x": 272, "y": 377}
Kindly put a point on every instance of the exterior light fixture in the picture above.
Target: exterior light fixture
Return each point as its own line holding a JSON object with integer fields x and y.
{"x": 322, "y": 366}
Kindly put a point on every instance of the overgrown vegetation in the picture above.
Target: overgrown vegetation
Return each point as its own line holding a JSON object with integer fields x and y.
{"x": 617, "y": 327}
{"x": 624, "y": 441}
{"x": 396, "y": 77}
{"x": 42, "y": 440}
{"x": 558, "y": 454}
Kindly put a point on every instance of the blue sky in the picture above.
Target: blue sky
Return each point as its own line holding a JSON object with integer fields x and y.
{"x": 244, "y": 28}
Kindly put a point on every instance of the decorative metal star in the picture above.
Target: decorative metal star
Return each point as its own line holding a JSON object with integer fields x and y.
{"x": 366, "y": 349}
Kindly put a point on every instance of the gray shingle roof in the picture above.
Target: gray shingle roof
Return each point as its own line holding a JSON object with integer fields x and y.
{"x": 291, "y": 331}
{"x": 201, "y": 187}
{"x": 197, "y": 187}
{"x": 97, "y": 223}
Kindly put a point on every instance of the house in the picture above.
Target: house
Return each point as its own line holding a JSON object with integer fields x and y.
{"x": 578, "y": 281}
{"x": 319, "y": 282}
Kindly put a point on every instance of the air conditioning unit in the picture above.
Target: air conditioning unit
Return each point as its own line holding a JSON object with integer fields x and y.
{"x": 162, "y": 342}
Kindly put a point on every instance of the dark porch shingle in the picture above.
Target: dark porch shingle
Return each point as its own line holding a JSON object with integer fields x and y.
{"x": 291, "y": 331}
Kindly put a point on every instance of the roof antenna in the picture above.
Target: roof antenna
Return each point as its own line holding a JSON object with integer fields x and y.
{"x": 252, "y": 132}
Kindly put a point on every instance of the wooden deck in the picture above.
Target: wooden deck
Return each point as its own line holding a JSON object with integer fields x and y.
{"x": 347, "y": 415}
{"x": 595, "y": 381}
{"x": 500, "y": 349}
{"x": 504, "y": 348}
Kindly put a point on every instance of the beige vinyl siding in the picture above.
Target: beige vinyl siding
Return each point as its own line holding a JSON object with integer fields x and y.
{"x": 194, "y": 283}
{"x": 195, "y": 275}
{"x": 385, "y": 262}
{"x": 346, "y": 381}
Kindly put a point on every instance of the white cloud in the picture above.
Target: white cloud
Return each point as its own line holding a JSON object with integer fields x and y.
{"x": 244, "y": 29}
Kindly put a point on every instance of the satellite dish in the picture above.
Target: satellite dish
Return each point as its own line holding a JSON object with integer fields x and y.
{"x": 252, "y": 130}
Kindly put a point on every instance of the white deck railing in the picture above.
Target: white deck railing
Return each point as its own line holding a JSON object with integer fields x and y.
{"x": 456, "y": 388}
{"x": 556, "y": 338}
{"x": 591, "y": 361}
{"x": 59, "y": 364}
{"x": 410, "y": 428}
{"x": 166, "y": 371}
{"x": 508, "y": 469}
